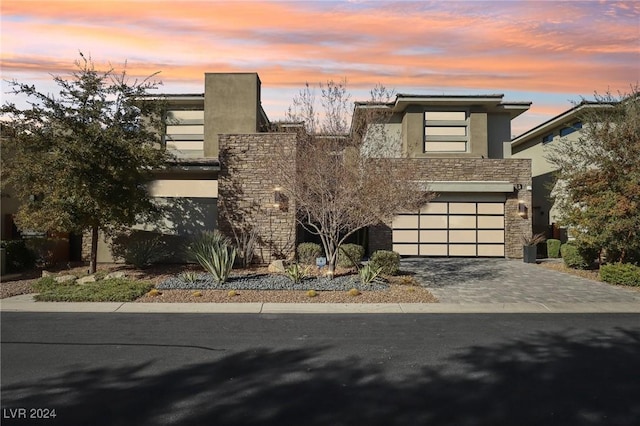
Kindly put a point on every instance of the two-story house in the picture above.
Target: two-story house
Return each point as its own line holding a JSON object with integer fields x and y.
{"x": 222, "y": 141}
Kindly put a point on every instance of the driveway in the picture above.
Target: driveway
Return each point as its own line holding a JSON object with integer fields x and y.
{"x": 486, "y": 280}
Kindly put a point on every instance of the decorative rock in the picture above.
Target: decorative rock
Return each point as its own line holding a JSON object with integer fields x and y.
{"x": 116, "y": 274}
{"x": 87, "y": 279}
{"x": 65, "y": 278}
{"x": 277, "y": 266}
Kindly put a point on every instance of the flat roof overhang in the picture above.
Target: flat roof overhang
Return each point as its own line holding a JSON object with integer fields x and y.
{"x": 468, "y": 186}
{"x": 194, "y": 164}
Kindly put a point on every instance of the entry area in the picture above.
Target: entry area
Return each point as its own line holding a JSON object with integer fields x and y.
{"x": 452, "y": 228}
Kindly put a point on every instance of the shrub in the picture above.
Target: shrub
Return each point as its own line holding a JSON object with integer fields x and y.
{"x": 575, "y": 257}
{"x": 312, "y": 293}
{"x": 140, "y": 249}
{"x": 368, "y": 273}
{"x": 354, "y": 292}
{"x": 389, "y": 261}
{"x": 620, "y": 273}
{"x": 553, "y": 248}
{"x": 18, "y": 256}
{"x": 308, "y": 252}
{"x": 296, "y": 273}
{"x": 214, "y": 253}
{"x": 350, "y": 255}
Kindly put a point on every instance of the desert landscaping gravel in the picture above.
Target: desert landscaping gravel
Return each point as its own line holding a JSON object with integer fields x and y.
{"x": 270, "y": 282}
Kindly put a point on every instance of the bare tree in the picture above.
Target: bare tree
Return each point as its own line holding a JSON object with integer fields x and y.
{"x": 337, "y": 186}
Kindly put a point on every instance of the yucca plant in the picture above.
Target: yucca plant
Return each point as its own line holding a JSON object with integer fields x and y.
{"x": 368, "y": 273}
{"x": 214, "y": 253}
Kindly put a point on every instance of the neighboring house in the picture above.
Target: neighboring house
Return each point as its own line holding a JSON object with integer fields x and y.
{"x": 563, "y": 128}
{"x": 221, "y": 177}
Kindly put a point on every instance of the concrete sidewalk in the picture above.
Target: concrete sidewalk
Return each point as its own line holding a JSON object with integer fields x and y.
{"x": 25, "y": 303}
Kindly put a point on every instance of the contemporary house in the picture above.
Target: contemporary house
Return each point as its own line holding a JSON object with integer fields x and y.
{"x": 563, "y": 128}
{"x": 458, "y": 145}
{"x": 221, "y": 177}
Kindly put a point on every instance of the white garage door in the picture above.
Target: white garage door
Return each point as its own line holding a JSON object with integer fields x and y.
{"x": 466, "y": 229}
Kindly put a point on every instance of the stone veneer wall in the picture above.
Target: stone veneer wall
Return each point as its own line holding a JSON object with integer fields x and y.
{"x": 246, "y": 186}
{"x": 517, "y": 171}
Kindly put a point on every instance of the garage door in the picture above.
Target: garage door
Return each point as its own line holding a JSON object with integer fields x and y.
{"x": 466, "y": 229}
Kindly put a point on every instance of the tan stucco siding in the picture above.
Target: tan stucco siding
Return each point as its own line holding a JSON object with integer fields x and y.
{"x": 194, "y": 188}
{"x": 231, "y": 105}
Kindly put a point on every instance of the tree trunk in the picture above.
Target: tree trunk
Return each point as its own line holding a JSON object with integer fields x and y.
{"x": 93, "y": 263}
{"x": 331, "y": 264}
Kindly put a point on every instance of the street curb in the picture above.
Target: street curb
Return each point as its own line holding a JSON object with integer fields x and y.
{"x": 25, "y": 303}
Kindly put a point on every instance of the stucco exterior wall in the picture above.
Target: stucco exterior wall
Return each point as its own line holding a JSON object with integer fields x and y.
{"x": 246, "y": 189}
{"x": 487, "y": 133}
{"x": 231, "y": 105}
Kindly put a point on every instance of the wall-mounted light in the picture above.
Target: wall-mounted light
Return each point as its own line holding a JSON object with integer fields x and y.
{"x": 279, "y": 199}
{"x": 522, "y": 209}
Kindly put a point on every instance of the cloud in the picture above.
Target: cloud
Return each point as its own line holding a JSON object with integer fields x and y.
{"x": 568, "y": 47}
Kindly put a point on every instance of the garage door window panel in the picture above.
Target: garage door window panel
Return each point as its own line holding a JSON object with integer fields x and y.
{"x": 491, "y": 250}
{"x": 490, "y": 222}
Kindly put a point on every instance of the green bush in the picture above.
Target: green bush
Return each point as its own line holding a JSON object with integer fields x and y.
{"x": 349, "y": 255}
{"x": 389, "y": 261}
{"x": 18, "y": 256}
{"x": 575, "y": 257}
{"x": 620, "y": 273}
{"x": 111, "y": 290}
{"x": 553, "y": 248}
{"x": 214, "y": 253}
{"x": 308, "y": 252}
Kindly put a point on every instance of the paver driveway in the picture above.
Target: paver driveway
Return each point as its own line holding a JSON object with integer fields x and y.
{"x": 485, "y": 280}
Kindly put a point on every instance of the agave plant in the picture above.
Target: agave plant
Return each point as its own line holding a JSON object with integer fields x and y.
{"x": 214, "y": 253}
{"x": 368, "y": 273}
{"x": 296, "y": 273}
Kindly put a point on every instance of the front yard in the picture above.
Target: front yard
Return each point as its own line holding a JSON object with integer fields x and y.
{"x": 402, "y": 288}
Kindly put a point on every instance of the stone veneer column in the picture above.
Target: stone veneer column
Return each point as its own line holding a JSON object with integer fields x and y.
{"x": 246, "y": 186}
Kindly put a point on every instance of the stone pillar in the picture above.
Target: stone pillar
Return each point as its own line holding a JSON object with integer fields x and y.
{"x": 246, "y": 191}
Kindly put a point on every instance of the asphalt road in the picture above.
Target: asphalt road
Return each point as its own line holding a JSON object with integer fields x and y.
{"x": 235, "y": 369}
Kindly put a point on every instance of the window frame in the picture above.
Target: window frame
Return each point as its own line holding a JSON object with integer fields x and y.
{"x": 445, "y": 139}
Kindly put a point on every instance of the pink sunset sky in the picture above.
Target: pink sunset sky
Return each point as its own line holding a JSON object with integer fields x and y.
{"x": 547, "y": 52}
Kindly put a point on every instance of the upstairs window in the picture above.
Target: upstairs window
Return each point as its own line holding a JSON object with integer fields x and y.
{"x": 570, "y": 129}
{"x": 446, "y": 131}
{"x": 548, "y": 138}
